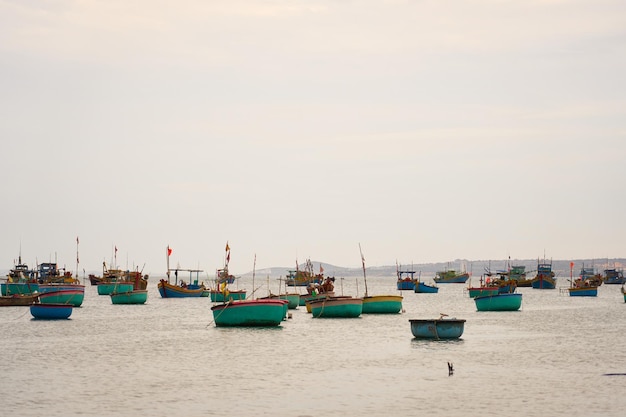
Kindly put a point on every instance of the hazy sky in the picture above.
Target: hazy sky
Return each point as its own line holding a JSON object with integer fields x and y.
{"x": 426, "y": 131}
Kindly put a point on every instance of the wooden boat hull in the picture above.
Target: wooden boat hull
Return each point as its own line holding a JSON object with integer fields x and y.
{"x": 130, "y": 297}
{"x": 106, "y": 288}
{"x": 420, "y": 287}
{"x": 20, "y": 288}
{"x": 168, "y": 290}
{"x": 249, "y": 313}
{"x": 51, "y": 311}
{"x": 18, "y": 300}
{"x": 346, "y": 307}
{"x": 499, "y": 302}
{"x": 220, "y": 297}
{"x": 73, "y": 297}
{"x": 583, "y": 292}
{"x": 482, "y": 291}
{"x": 437, "y": 328}
{"x": 405, "y": 285}
{"x": 382, "y": 304}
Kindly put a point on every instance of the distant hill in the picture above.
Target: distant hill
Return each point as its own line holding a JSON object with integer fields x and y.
{"x": 477, "y": 268}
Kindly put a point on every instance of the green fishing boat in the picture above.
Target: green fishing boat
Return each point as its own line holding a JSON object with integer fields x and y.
{"x": 129, "y": 297}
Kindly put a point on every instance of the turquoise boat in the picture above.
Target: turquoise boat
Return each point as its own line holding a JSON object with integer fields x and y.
{"x": 51, "y": 311}
{"x": 382, "y": 304}
{"x": 73, "y": 297}
{"x": 293, "y": 299}
{"x": 20, "y": 280}
{"x": 129, "y": 297}
{"x": 107, "y": 288}
{"x": 624, "y": 293}
{"x": 441, "y": 328}
{"x": 347, "y": 307}
{"x": 218, "y": 296}
{"x": 249, "y": 313}
{"x": 499, "y": 302}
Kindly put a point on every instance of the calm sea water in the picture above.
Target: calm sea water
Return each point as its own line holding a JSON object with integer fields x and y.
{"x": 167, "y": 358}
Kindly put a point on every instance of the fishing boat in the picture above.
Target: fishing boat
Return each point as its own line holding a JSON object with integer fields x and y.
{"x": 180, "y": 288}
{"x": 442, "y": 328}
{"x": 484, "y": 288}
{"x": 62, "y": 295}
{"x": 614, "y": 276}
{"x": 18, "y": 300}
{"x": 304, "y": 278}
{"x": 225, "y": 294}
{"x": 499, "y": 302}
{"x": 255, "y": 313}
{"x": 420, "y": 287}
{"x": 590, "y": 276}
{"x": 517, "y": 273}
{"x": 51, "y": 311}
{"x": 406, "y": 280}
{"x": 58, "y": 286}
{"x": 586, "y": 285}
{"x": 129, "y": 297}
{"x": 377, "y": 304}
{"x": 344, "y": 307}
{"x": 451, "y": 276}
{"x": 544, "y": 280}
{"x": 20, "y": 280}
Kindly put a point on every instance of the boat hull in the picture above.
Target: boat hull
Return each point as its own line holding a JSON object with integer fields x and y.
{"x": 544, "y": 283}
{"x": 107, "y": 288}
{"x": 437, "y": 328}
{"x": 220, "y": 297}
{"x": 346, "y": 307}
{"x": 168, "y": 290}
{"x": 249, "y": 313}
{"x": 499, "y": 302}
{"x": 382, "y": 304}
{"x": 583, "y": 292}
{"x": 20, "y": 288}
{"x": 405, "y": 285}
{"x": 51, "y": 311}
{"x": 427, "y": 289}
{"x": 73, "y": 297}
{"x": 18, "y": 300}
{"x": 130, "y": 297}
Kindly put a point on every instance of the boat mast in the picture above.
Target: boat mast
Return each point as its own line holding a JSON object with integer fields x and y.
{"x": 364, "y": 278}
{"x": 254, "y": 273}
{"x": 77, "y": 261}
{"x": 168, "y": 252}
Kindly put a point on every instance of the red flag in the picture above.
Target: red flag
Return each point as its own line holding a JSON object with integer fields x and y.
{"x": 227, "y": 247}
{"x": 169, "y": 251}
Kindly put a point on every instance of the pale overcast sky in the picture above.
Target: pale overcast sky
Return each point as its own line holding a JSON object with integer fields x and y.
{"x": 426, "y": 131}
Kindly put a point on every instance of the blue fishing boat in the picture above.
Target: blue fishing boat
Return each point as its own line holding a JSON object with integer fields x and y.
{"x": 614, "y": 276}
{"x": 180, "y": 288}
{"x": 253, "y": 313}
{"x": 51, "y": 311}
{"x": 499, "y": 302}
{"x": 345, "y": 307}
{"x": 406, "y": 280}
{"x": 420, "y": 287}
{"x": 544, "y": 280}
{"x": 441, "y": 328}
{"x": 583, "y": 291}
{"x": 586, "y": 285}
